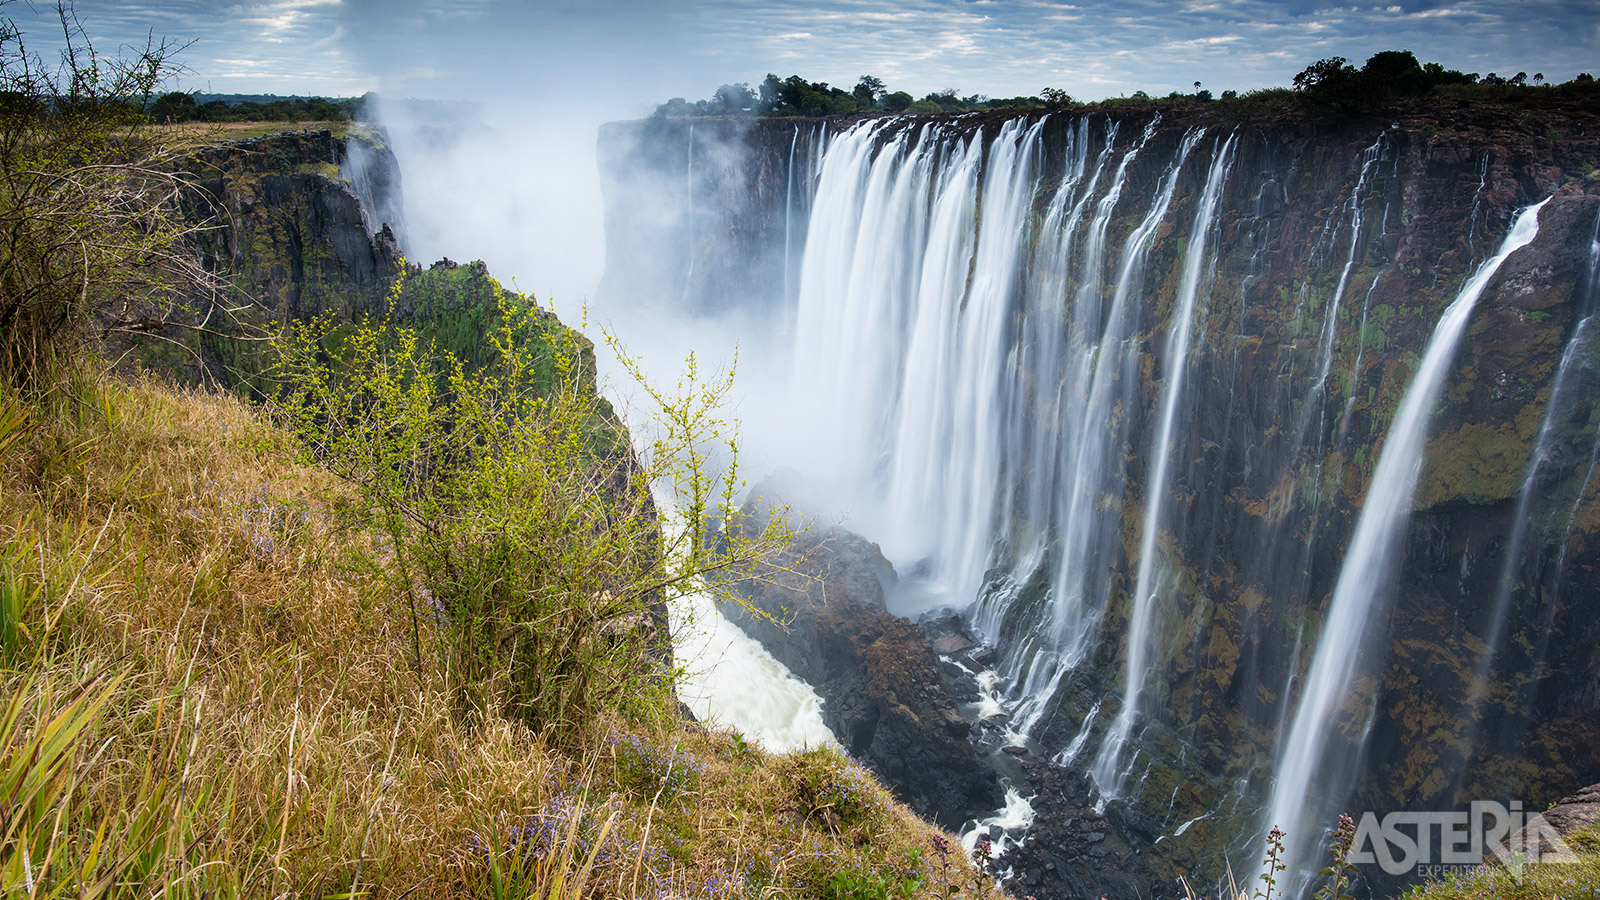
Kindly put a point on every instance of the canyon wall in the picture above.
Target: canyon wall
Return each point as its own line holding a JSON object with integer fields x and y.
{"x": 1117, "y": 386}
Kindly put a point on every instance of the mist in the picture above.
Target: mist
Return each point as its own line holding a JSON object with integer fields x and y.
{"x": 494, "y": 114}
{"x": 499, "y": 164}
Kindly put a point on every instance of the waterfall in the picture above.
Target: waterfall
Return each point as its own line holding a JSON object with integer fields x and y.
{"x": 1041, "y": 355}
{"x": 1147, "y": 408}
{"x": 788, "y": 214}
{"x": 1522, "y": 520}
{"x": 964, "y": 348}
{"x": 1147, "y": 584}
{"x": 1554, "y": 460}
{"x": 1082, "y": 435}
{"x": 1365, "y": 579}
{"x": 374, "y": 176}
{"x": 1591, "y": 306}
{"x": 1330, "y": 325}
{"x": 1361, "y": 329}
{"x": 688, "y": 207}
{"x": 902, "y": 336}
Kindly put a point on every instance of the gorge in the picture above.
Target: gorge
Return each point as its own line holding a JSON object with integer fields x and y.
{"x": 1258, "y": 450}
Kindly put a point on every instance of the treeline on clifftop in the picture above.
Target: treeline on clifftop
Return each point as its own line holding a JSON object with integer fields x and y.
{"x": 176, "y": 107}
{"x": 1330, "y": 85}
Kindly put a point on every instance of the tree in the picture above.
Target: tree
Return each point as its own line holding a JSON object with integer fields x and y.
{"x": 174, "y": 107}
{"x": 1335, "y": 85}
{"x": 732, "y": 99}
{"x": 868, "y": 91}
{"x": 899, "y": 101}
{"x": 1055, "y": 97}
{"x": 91, "y": 234}
{"x": 1391, "y": 63}
{"x": 1324, "y": 72}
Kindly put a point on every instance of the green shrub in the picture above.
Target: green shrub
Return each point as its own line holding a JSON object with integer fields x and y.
{"x": 521, "y": 526}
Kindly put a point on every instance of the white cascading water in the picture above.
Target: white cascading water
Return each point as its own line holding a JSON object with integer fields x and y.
{"x": 973, "y": 327}
{"x": 1521, "y": 520}
{"x": 1365, "y": 579}
{"x": 1035, "y": 667}
{"x": 1575, "y": 378}
{"x": 1592, "y": 299}
{"x": 901, "y": 337}
{"x": 1102, "y": 381}
{"x": 1077, "y": 445}
{"x": 931, "y": 392}
{"x": 729, "y": 678}
{"x": 1150, "y": 584}
{"x": 1330, "y": 328}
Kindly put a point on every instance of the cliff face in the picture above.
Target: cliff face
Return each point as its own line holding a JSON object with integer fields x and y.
{"x": 293, "y": 231}
{"x": 711, "y": 212}
{"x": 1329, "y": 259}
{"x": 298, "y": 229}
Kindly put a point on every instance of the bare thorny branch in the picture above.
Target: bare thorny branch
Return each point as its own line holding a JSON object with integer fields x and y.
{"x": 94, "y": 236}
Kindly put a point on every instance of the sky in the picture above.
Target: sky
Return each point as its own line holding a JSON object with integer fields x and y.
{"x": 632, "y": 54}
{"x": 517, "y": 185}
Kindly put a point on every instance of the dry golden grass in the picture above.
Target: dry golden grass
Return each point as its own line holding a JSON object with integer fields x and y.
{"x": 204, "y": 134}
{"x": 267, "y": 732}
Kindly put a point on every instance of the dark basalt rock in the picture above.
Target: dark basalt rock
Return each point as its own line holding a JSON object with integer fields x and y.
{"x": 1073, "y": 851}
{"x": 885, "y": 693}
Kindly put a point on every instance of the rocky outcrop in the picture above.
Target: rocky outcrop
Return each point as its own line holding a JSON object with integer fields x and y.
{"x": 1541, "y": 838}
{"x": 281, "y": 222}
{"x": 1579, "y": 810}
{"x": 292, "y": 231}
{"x": 1075, "y": 850}
{"x": 820, "y": 611}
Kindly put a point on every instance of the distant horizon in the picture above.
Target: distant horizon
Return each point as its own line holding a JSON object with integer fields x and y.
{"x": 753, "y": 85}
{"x": 631, "y": 53}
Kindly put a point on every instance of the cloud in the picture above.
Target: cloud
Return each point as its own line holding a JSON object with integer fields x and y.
{"x": 630, "y": 54}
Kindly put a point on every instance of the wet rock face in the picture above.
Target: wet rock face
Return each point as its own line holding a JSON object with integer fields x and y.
{"x": 884, "y": 694}
{"x": 1287, "y": 402}
{"x": 277, "y": 218}
{"x": 292, "y": 230}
